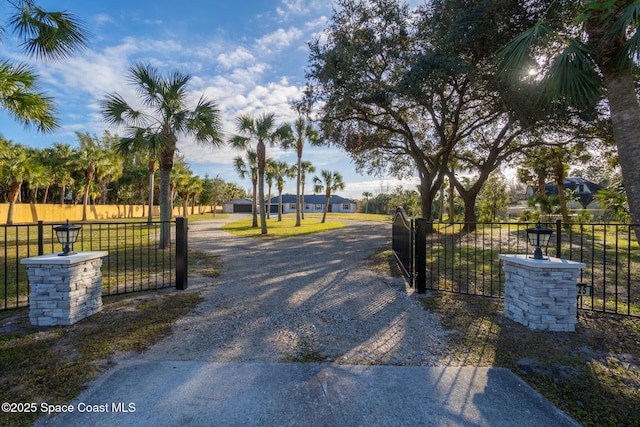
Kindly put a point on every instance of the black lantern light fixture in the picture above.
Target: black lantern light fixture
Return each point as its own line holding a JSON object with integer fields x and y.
{"x": 538, "y": 236}
{"x": 67, "y": 236}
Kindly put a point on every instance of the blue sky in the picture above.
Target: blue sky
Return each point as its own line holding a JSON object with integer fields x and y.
{"x": 249, "y": 56}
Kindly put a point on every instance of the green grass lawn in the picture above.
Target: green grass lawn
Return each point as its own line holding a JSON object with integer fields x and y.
{"x": 280, "y": 229}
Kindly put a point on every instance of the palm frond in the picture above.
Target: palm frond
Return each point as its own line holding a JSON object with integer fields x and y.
{"x": 572, "y": 78}
{"x": 239, "y": 142}
{"x": 513, "y": 58}
{"x": 20, "y": 98}
{"x": 47, "y": 35}
{"x": 626, "y": 22}
{"x": 627, "y": 19}
{"x": 116, "y": 111}
{"x": 206, "y": 124}
{"x": 148, "y": 82}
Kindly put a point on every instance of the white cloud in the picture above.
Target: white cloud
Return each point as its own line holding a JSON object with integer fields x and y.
{"x": 237, "y": 58}
{"x": 278, "y": 40}
{"x": 289, "y": 9}
{"x": 102, "y": 19}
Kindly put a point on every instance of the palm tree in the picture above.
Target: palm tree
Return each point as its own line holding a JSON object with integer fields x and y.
{"x": 303, "y": 131}
{"x": 330, "y": 183}
{"x": 15, "y": 166}
{"x": 602, "y": 54}
{"x": 269, "y": 178}
{"x": 86, "y": 162}
{"x": 261, "y": 130}
{"x": 181, "y": 176}
{"x": 44, "y": 35}
{"x": 366, "y": 195}
{"x": 141, "y": 142}
{"x": 165, "y": 119}
{"x": 282, "y": 171}
{"x": 305, "y": 168}
{"x": 38, "y": 175}
{"x": 249, "y": 169}
{"x": 62, "y": 157}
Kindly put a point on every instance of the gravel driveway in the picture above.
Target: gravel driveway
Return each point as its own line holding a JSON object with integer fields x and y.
{"x": 305, "y": 298}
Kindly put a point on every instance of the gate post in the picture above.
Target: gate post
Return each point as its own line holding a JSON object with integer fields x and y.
{"x": 558, "y": 238}
{"x": 421, "y": 255}
{"x": 40, "y": 238}
{"x": 181, "y": 253}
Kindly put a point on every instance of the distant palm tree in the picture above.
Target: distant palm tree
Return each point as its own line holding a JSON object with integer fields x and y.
{"x": 281, "y": 172}
{"x": 303, "y": 131}
{"x": 142, "y": 143}
{"x": 330, "y": 183}
{"x": 45, "y": 35}
{"x": 62, "y": 156}
{"x": 38, "y": 176}
{"x": 366, "y": 195}
{"x": 15, "y": 163}
{"x": 305, "y": 168}
{"x": 195, "y": 190}
{"x": 269, "y": 178}
{"x": 249, "y": 168}
{"x": 164, "y": 119}
{"x": 262, "y": 130}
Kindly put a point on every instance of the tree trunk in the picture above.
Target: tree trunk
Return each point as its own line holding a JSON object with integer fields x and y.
{"x": 469, "y": 200}
{"x": 298, "y": 199}
{"x": 441, "y": 210}
{"x": 326, "y": 207}
{"x": 269, "y": 203}
{"x": 143, "y": 201}
{"x": 45, "y": 196}
{"x": 302, "y": 204}
{"x": 452, "y": 203}
{"x": 152, "y": 186}
{"x": 279, "y": 204}
{"x": 254, "y": 208}
{"x": 63, "y": 189}
{"x": 623, "y": 107}
{"x": 14, "y": 191}
{"x": 85, "y": 199}
{"x": 559, "y": 173}
{"x": 426, "y": 201}
{"x": 165, "y": 207}
{"x": 625, "y": 116}
{"x": 262, "y": 160}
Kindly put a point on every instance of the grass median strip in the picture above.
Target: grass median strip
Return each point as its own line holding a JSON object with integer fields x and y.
{"x": 280, "y": 229}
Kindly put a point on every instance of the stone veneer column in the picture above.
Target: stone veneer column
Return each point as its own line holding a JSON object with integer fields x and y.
{"x": 64, "y": 289}
{"x": 541, "y": 294}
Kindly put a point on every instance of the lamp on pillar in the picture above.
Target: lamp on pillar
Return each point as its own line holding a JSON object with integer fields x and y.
{"x": 67, "y": 235}
{"x": 538, "y": 236}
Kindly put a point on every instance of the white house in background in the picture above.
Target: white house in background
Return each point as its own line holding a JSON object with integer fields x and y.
{"x": 313, "y": 204}
{"x": 243, "y": 205}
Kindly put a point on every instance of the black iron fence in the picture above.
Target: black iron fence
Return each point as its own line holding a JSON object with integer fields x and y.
{"x": 458, "y": 260}
{"x": 134, "y": 262}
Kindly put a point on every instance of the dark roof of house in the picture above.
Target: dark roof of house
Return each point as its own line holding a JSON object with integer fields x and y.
{"x": 573, "y": 184}
{"x": 242, "y": 201}
{"x": 314, "y": 199}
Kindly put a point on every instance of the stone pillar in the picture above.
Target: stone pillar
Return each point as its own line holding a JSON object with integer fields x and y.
{"x": 64, "y": 289}
{"x": 541, "y": 294}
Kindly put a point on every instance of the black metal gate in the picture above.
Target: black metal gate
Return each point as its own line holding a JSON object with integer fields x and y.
{"x": 408, "y": 241}
{"x": 402, "y": 242}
